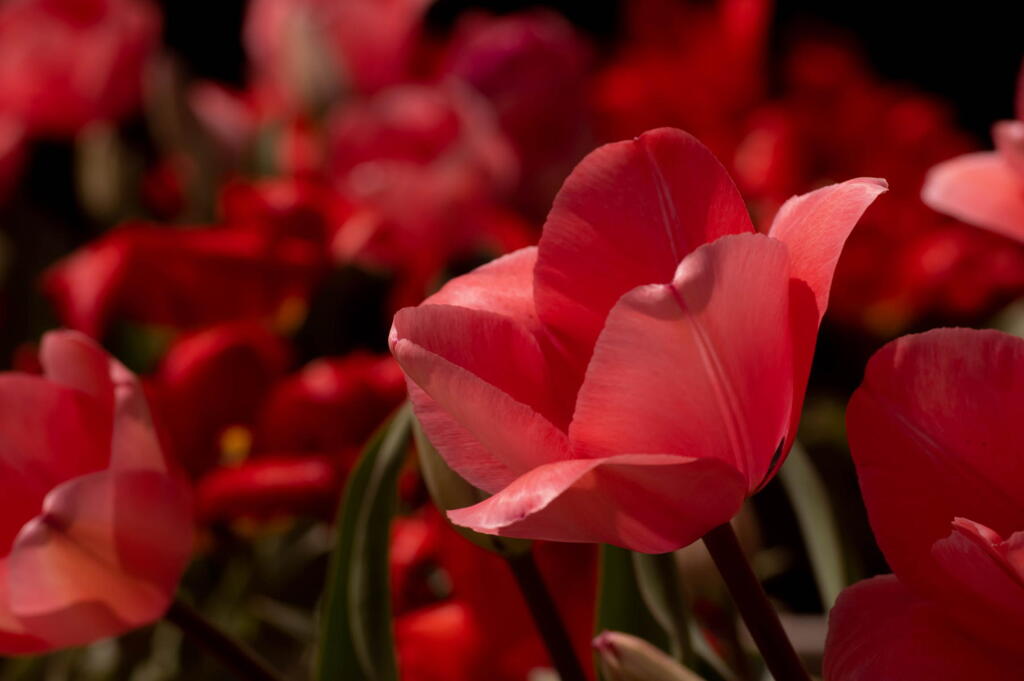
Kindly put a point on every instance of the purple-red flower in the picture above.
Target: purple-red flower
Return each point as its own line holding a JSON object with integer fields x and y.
{"x": 96, "y": 529}
{"x": 640, "y": 372}
{"x": 985, "y": 188}
{"x": 935, "y": 433}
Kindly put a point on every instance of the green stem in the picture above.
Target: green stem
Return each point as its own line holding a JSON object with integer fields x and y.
{"x": 761, "y": 619}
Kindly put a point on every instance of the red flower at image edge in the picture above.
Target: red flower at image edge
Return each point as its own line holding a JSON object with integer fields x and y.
{"x": 525, "y": 373}
{"x": 985, "y": 188}
{"x": 96, "y": 531}
{"x": 935, "y": 433}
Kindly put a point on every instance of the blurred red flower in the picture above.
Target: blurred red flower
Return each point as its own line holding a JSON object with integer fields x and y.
{"x": 96, "y": 529}
{"x": 482, "y": 617}
{"x": 986, "y": 188}
{"x": 184, "y": 277}
{"x": 934, "y": 432}
{"x": 67, "y": 63}
{"x": 531, "y": 374}
{"x": 260, "y": 442}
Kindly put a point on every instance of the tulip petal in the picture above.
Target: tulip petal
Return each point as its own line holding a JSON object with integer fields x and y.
{"x": 14, "y": 640}
{"x": 880, "y": 631}
{"x": 505, "y": 436}
{"x": 116, "y": 540}
{"x": 625, "y": 217}
{"x": 50, "y": 434}
{"x": 989, "y": 594}
{"x": 935, "y": 434}
{"x": 981, "y": 189}
{"x": 700, "y": 367}
{"x": 72, "y": 359}
{"x": 503, "y": 286}
{"x": 1009, "y": 139}
{"x": 650, "y": 503}
{"x": 815, "y": 227}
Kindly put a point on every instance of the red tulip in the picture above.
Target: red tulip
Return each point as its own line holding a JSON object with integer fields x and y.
{"x": 183, "y": 278}
{"x": 985, "y": 188}
{"x": 331, "y": 405}
{"x": 67, "y": 63}
{"x": 270, "y": 486}
{"x": 12, "y": 150}
{"x": 639, "y": 373}
{"x": 935, "y": 434}
{"x": 95, "y": 531}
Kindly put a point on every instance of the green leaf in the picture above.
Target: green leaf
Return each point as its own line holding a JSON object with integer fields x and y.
{"x": 448, "y": 490}
{"x": 658, "y": 580}
{"x": 620, "y": 605}
{"x": 357, "y": 641}
{"x": 814, "y": 514}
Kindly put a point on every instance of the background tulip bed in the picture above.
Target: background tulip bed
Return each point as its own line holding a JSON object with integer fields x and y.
{"x": 235, "y": 201}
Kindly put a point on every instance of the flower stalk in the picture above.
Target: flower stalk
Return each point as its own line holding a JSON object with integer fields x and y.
{"x": 760, "y": 617}
{"x": 545, "y": 616}
{"x": 240, "y": 659}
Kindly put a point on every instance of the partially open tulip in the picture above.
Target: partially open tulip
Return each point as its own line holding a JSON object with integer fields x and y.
{"x": 95, "y": 531}
{"x": 935, "y": 433}
{"x": 634, "y": 377}
{"x": 985, "y": 188}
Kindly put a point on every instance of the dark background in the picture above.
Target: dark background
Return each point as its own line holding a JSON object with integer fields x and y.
{"x": 969, "y": 54}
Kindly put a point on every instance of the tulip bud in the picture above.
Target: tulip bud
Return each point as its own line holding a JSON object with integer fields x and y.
{"x": 627, "y": 658}
{"x": 448, "y": 490}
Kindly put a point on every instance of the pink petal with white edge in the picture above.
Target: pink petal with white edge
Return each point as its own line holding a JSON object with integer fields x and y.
{"x": 652, "y": 503}
{"x": 701, "y": 367}
{"x": 880, "y": 631}
{"x": 987, "y": 595}
{"x": 116, "y": 541}
{"x": 934, "y": 431}
{"x": 981, "y": 189}
{"x": 815, "y": 227}
{"x": 625, "y": 217}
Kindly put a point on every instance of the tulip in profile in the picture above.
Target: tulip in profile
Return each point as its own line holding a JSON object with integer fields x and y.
{"x": 95, "y": 531}
{"x": 985, "y": 188}
{"x": 639, "y": 373}
{"x": 935, "y": 434}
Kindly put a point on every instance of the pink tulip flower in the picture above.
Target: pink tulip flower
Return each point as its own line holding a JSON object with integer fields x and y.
{"x": 95, "y": 531}
{"x": 985, "y": 188}
{"x": 935, "y": 433}
{"x": 639, "y": 373}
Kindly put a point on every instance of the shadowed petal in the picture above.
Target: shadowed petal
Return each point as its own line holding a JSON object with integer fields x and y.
{"x": 651, "y": 503}
{"x": 988, "y": 595}
{"x": 880, "y": 631}
{"x": 935, "y": 433}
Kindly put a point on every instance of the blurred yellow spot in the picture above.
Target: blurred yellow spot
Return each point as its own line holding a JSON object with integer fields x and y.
{"x": 290, "y": 315}
{"x": 235, "y": 445}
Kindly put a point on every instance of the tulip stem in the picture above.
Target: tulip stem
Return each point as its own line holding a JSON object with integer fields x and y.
{"x": 546, "y": 617}
{"x": 233, "y": 654}
{"x": 760, "y": 617}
